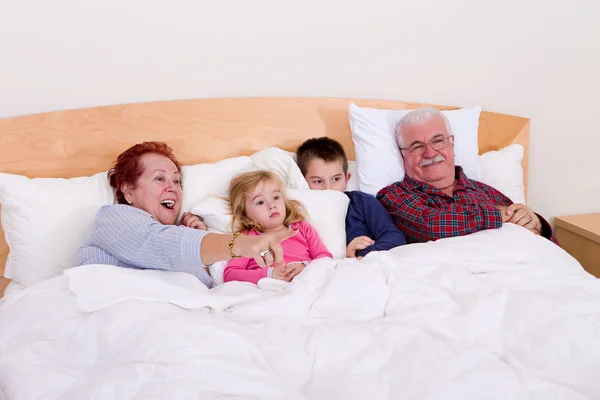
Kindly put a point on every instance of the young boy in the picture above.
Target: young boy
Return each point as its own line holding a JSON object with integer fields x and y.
{"x": 369, "y": 226}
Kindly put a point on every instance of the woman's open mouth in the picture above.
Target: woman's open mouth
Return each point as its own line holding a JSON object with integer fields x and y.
{"x": 168, "y": 204}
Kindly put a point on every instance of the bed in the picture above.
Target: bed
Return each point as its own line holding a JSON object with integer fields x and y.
{"x": 498, "y": 314}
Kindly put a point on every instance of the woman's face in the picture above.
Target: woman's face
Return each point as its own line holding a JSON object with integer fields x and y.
{"x": 158, "y": 190}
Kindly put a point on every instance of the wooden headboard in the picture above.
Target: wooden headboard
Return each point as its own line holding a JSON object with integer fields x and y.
{"x": 82, "y": 142}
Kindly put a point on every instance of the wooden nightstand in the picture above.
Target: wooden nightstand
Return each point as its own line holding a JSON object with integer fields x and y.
{"x": 579, "y": 235}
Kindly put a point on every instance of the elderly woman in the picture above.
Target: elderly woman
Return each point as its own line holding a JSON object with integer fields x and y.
{"x": 139, "y": 231}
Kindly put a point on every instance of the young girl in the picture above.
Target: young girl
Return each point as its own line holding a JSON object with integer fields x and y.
{"x": 259, "y": 205}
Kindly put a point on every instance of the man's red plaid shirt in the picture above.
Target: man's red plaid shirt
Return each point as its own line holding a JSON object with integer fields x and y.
{"x": 425, "y": 213}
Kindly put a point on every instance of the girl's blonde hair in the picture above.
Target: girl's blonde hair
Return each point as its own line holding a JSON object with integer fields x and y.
{"x": 242, "y": 185}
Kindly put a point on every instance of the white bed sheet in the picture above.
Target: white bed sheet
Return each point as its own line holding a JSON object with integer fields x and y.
{"x": 500, "y": 314}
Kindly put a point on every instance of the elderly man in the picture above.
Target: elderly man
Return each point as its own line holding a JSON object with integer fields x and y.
{"x": 436, "y": 199}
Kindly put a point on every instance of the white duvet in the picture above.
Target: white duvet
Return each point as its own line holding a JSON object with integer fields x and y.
{"x": 500, "y": 314}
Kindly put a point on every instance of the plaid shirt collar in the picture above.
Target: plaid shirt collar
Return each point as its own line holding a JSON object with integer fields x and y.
{"x": 462, "y": 183}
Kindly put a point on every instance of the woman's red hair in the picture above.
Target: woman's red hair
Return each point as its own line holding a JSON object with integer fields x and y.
{"x": 128, "y": 167}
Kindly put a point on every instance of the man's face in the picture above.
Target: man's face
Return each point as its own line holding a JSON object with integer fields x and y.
{"x": 429, "y": 153}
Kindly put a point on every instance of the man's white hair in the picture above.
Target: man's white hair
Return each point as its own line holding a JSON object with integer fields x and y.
{"x": 420, "y": 116}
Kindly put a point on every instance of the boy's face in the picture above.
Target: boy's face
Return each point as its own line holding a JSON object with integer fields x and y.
{"x": 322, "y": 175}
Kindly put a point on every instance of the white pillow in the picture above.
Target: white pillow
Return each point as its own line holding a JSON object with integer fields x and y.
{"x": 282, "y": 163}
{"x": 216, "y": 271}
{"x": 378, "y": 159}
{"x": 215, "y": 212}
{"x": 206, "y": 180}
{"x": 292, "y": 154}
{"x": 46, "y": 220}
{"x": 502, "y": 170}
{"x": 326, "y": 213}
{"x": 353, "y": 182}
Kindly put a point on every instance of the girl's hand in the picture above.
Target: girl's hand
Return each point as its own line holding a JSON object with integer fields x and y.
{"x": 193, "y": 221}
{"x": 292, "y": 269}
{"x": 278, "y": 274}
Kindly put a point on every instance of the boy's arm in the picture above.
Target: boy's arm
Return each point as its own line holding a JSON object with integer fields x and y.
{"x": 385, "y": 232}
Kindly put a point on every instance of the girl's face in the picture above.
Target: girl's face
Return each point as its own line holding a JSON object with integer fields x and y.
{"x": 266, "y": 206}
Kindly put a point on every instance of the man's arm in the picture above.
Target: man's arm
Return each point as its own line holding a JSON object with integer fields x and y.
{"x": 501, "y": 199}
{"x": 522, "y": 215}
{"x": 421, "y": 222}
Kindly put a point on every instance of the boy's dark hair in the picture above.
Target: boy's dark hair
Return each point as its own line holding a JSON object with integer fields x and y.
{"x": 324, "y": 148}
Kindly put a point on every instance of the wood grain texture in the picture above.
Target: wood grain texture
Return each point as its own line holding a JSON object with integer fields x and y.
{"x": 586, "y": 225}
{"x": 3, "y": 284}
{"x": 522, "y": 138}
{"x": 583, "y": 249}
{"x": 3, "y": 255}
{"x": 579, "y": 235}
{"x": 82, "y": 142}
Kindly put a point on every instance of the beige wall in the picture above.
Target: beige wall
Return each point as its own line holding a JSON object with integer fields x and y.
{"x": 539, "y": 59}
